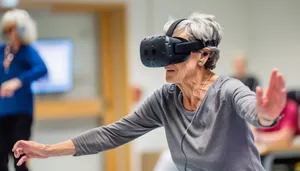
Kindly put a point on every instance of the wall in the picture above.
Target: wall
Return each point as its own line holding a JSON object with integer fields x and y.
{"x": 81, "y": 29}
{"x": 275, "y": 39}
{"x": 79, "y": 1}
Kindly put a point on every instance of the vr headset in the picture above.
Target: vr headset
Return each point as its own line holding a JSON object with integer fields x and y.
{"x": 163, "y": 50}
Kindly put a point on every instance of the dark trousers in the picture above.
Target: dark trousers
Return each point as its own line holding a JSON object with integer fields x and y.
{"x": 13, "y": 128}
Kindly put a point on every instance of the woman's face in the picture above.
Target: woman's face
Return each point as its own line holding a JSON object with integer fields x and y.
{"x": 10, "y": 31}
{"x": 177, "y": 73}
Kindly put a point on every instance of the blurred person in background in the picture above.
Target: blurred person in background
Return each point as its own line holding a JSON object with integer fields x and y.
{"x": 283, "y": 133}
{"x": 294, "y": 95}
{"x": 20, "y": 65}
{"x": 205, "y": 115}
{"x": 241, "y": 72}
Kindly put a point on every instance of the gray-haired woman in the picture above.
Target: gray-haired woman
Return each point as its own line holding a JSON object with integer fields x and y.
{"x": 204, "y": 115}
{"x": 20, "y": 65}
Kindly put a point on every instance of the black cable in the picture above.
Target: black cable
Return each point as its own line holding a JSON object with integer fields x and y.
{"x": 183, "y": 137}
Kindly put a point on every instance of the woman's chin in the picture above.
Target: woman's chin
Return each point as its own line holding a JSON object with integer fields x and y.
{"x": 170, "y": 79}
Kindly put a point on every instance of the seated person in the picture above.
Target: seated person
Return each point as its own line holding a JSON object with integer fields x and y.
{"x": 283, "y": 133}
{"x": 241, "y": 72}
{"x": 294, "y": 95}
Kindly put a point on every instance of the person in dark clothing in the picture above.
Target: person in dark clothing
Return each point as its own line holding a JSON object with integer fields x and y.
{"x": 294, "y": 95}
{"x": 241, "y": 73}
{"x": 20, "y": 65}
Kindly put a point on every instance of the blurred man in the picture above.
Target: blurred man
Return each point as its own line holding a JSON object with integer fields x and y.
{"x": 241, "y": 72}
{"x": 20, "y": 65}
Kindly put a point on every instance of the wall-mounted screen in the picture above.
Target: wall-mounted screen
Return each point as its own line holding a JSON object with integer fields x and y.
{"x": 58, "y": 57}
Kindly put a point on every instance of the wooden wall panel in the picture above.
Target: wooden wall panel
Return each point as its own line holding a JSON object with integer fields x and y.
{"x": 67, "y": 109}
{"x": 114, "y": 75}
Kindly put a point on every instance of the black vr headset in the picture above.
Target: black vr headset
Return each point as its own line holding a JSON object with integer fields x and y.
{"x": 163, "y": 50}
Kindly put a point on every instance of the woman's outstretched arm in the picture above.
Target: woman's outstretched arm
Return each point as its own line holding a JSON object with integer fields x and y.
{"x": 143, "y": 120}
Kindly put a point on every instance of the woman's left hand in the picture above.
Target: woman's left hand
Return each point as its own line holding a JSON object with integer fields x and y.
{"x": 271, "y": 104}
{"x": 8, "y": 88}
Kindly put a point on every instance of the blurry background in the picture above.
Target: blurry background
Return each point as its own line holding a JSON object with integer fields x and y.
{"x": 108, "y": 80}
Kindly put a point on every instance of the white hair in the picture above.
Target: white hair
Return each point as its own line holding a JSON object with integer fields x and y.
{"x": 201, "y": 27}
{"x": 23, "y": 21}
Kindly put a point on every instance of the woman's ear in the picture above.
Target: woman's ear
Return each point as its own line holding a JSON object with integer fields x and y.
{"x": 204, "y": 54}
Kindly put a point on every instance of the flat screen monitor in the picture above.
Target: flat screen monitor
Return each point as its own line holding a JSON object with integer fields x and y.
{"x": 58, "y": 57}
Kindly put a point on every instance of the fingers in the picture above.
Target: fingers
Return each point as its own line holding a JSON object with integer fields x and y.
{"x": 22, "y": 160}
{"x": 18, "y": 144}
{"x": 29, "y": 156}
{"x": 18, "y": 152}
{"x": 276, "y": 81}
{"x": 259, "y": 96}
{"x": 284, "y": 94}
{"x": 18, "y": 148}
{"x": 272, "y": 83}
{"x": 6, "y": 92}
{"x": 280, "y": 82}
{"x": 7, "y": 89}
{"x": 1, "y": 91}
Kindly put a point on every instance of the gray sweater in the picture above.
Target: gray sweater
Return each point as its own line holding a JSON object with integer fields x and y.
{"x": 218, "y": 136}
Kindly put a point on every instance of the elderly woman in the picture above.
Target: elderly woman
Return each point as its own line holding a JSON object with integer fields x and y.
{"x": 20, "y": 64}
{"x": 204, "y": 115}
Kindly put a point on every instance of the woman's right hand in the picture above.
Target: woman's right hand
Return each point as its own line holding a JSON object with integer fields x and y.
{"x": 29, "y": 149}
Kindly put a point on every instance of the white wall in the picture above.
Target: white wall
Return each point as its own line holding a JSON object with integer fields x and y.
{"x": 275, "y": 39}
{"x": 80, "y": 1}
{"x": 80, "y": 28}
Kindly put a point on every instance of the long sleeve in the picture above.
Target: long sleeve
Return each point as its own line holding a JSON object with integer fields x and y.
{"x": 37, "y": 67}
{"x": 141, "y": 121}
{"x": 244, "y": 102}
